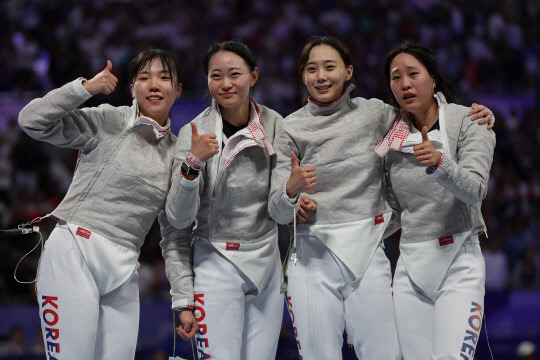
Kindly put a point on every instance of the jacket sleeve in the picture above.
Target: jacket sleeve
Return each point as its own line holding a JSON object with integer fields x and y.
{"x": 467, "y": 175}
{"x": 183, "y": 200}
{"x": 55, "y": 118}
{"x": 177, "y": 251}
{"x": 279, "y": 206}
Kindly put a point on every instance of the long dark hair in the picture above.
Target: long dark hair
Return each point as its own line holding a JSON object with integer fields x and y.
{"x": 426, "y": 56}
{"x": 338, "y": 45}
{"x": 234, "y": 46}
{"x": 169, "y": 61}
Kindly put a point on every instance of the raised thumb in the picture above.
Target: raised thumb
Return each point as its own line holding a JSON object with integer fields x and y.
{"x": 194, "y": 131}
{"x": 294, "y": 161}
{"x": 424, "y": 134}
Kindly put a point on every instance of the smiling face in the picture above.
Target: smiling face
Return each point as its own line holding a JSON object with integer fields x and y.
{"x": 412, "y": 85}
{"x": 325, "y": 74}
{"x": 155, "y": 91}
{"x": 229, "y": 80}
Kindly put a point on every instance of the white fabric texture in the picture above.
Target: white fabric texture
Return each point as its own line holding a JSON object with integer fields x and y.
{"x": 234, "y": 324}
{"x": 109, "y": 263}
{"x": 446, "y": 328}
{"x": 353, "y": 243}
{"x": 83, "y": 324}
{"x": 320, "y": 313}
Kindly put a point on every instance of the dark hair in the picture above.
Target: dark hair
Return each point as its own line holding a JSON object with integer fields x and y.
{"x": 331, "y": 41}
{"x": 426, "y": 56}
{"x": 234, "y": 46}
{"x": 169, "y": 61}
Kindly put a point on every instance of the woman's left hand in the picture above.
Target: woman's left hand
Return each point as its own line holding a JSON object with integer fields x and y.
{"x": 189, "y": 326}
{"x": 307, "y": 208}
{"x": 425, "y": 153}
{"x": 482, "y": 114}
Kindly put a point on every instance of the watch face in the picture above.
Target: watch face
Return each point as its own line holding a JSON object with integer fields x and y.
{"x": 188, "y": 170}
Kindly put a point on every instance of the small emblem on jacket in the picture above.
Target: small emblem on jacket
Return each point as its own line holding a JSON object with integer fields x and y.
{"x": 84, "y": 233}
{"x": 233, "y": 246}
{"x": 446, "y": 240}
{"x": 379, "y": 219}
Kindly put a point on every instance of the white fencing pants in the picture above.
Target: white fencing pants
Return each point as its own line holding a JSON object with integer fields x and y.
{"x": 76, "y": 322}
{"x": 320, "y": 313}
{"x": 233, "y": 324}
{"x": 448, "y": 328}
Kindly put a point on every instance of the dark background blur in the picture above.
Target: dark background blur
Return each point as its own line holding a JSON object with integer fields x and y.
{"x": 489, "y": 50}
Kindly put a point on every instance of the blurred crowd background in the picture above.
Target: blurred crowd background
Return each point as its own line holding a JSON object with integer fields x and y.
{"x": 489, "y": 49}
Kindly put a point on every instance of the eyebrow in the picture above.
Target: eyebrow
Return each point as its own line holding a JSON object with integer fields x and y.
{"x": 406, "y": 67}
{"x": 324, "y": 62}
{"x": 148, "y": 72}
{"x": 230, "y": 69}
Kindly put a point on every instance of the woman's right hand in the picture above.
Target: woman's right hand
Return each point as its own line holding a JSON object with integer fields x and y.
{"x": 103, "y": 83}
{"x": 301, "y": 179}
{"x": 204, "y": 147}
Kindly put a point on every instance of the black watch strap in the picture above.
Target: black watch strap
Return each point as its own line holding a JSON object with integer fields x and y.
{"x": 188, "y": 170}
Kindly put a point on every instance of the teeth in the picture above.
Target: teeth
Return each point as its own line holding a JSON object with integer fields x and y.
{"x": 154, "y": 98}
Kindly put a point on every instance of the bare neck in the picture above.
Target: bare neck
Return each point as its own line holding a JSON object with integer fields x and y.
{"x": 426, "y": 117}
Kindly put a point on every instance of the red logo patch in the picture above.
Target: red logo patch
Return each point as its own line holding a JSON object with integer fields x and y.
{"x": 233, "y": 246}
{"x": 446, "y": 240}
{"x": 84, "y": 233}
{"x": 379, "y": 219}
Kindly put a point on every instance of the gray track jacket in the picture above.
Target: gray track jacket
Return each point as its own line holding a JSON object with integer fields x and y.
{"x": 338, "y": 140}
{"x": 122, "y": 176}
{"x": 447, "y": 201}
{"x": 232, "y": 207}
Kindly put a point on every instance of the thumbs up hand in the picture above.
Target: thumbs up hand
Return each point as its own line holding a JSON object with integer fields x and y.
{"x": 204, "y": 146}
{"x": 301, "y": 179}
{"x": 425, "y": 153}
{"x": 104, "y": 82}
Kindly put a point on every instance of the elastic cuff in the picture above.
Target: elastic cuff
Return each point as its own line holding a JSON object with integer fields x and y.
{"x": 288, "y": 200}
{"x": 434, "y": 172}
{"x": 284, "y": 195}
{"x": 189, "y": 184}
{"x": 180, "y": 304}
{"x": 79, "y": 88}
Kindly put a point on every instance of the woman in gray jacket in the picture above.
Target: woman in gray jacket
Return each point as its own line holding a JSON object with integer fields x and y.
{"x": 87, "y": 282}
{"x": 221, "y": 179}
{"x": 438, "y": 164}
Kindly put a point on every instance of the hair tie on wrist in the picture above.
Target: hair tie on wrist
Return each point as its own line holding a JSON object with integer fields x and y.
{"x": 194, "y": 159}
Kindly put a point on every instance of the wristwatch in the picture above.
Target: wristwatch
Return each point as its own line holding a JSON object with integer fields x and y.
{"x": 188, "y": 170}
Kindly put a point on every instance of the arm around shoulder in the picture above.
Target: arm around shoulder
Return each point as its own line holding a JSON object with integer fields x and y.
{"x": 467, "y": 175}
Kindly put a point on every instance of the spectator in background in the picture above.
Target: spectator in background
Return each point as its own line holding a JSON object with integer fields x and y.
{"x": 526, "y": 350}
{"x": 526, "y": 273}
{"x": 15, "y": 344}
{"x": 497, "y": 266}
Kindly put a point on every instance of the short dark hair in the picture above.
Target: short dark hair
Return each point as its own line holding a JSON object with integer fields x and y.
{"x": 169, "y": 61}
{"x": 234, "y": 46}
{"x": 426, "y": 56}
{"x": 338, "y": 45}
